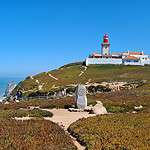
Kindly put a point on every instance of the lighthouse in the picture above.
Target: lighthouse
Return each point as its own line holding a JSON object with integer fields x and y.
{"x": 105, "y": 45}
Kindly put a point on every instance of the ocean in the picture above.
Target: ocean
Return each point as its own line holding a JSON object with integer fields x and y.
{"x": 4, "y": 82}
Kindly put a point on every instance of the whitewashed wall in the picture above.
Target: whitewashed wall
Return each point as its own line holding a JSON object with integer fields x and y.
{"x": 103, "y": 61}
{"x": 90, "y": 61}
{"x": 146, "y": 62}
{"x": 134, "y": 63}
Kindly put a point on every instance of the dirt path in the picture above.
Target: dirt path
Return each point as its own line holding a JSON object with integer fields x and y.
{"x": 64, "y": 118}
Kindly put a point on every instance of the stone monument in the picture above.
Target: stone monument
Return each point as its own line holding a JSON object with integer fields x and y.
{"x": 81, "y": 99}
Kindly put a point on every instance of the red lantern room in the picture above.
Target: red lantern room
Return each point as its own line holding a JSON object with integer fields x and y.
{"x": 106, "y": 38}
{"x": 105, "y": 45}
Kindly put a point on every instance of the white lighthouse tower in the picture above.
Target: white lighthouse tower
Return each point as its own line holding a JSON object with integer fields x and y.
{"x": 105, "y": 45}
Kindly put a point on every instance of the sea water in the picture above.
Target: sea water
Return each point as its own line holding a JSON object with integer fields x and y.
{"x": 4, "y": 81}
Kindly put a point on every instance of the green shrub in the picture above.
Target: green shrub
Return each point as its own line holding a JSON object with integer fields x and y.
{"x": 24, "y": 113}
{"x": 115, "y": 109}
{"x": 39, "y": 113}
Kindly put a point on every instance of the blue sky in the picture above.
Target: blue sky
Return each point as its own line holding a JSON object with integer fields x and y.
{"x": 40, "y": 35}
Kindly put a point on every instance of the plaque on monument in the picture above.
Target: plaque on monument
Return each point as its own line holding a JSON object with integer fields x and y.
{"x": 81, "y": 99}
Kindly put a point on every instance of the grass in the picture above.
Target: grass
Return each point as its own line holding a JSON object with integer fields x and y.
{"x": 114, "y": 132}
{"x": 6, "y": 114}
{"x": 123, "y": 101}
{"x": 120, "y": 131}
{"x": 33, "y": 135}
{"x": 59, "y": 103}
{"x": 96, "y": 73}
{"x": 115, "y": 102}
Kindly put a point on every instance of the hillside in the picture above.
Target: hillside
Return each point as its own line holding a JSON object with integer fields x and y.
{"x": 73, "y": 74}
{"x": 123, "y": 90}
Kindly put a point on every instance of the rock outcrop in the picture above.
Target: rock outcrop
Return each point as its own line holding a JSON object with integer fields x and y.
{"x": 9, "y": 89}
{"x": 92, "y": 88}
{"x": 99, "y": 109}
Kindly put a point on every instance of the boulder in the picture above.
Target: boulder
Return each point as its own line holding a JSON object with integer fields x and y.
{"x": 138, "y": 107}
{"x": 88, "y": 108}
{"x": 99, "y": 109}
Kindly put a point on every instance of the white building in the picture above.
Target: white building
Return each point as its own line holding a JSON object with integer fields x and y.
{"x": 126, "y": 58}
{"x": 135, "y": 58}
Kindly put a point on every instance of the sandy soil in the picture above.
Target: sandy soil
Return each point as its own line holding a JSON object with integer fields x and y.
{"x": 64, "y": 117}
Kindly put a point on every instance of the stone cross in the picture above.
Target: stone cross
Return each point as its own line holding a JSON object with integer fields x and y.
{"x": 81, "y": 99}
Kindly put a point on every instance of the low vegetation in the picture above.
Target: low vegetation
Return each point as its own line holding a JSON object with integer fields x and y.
{"x": 123, "y": 101}
{"x": 24, "y": 113}
{"x": 115, "y": 102}
{"x": 115, "y": 132}
{"x": 42, "y": 103}
{"x": 33, "y": 135}
{"x": 119, "y": 131}
{"x": 69, "y": 74}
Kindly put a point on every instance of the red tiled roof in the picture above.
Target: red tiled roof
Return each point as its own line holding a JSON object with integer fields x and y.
{"x": 96, "y": 55}
{"x": 135, "y": 53}
{"x": 131, "y": 58}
